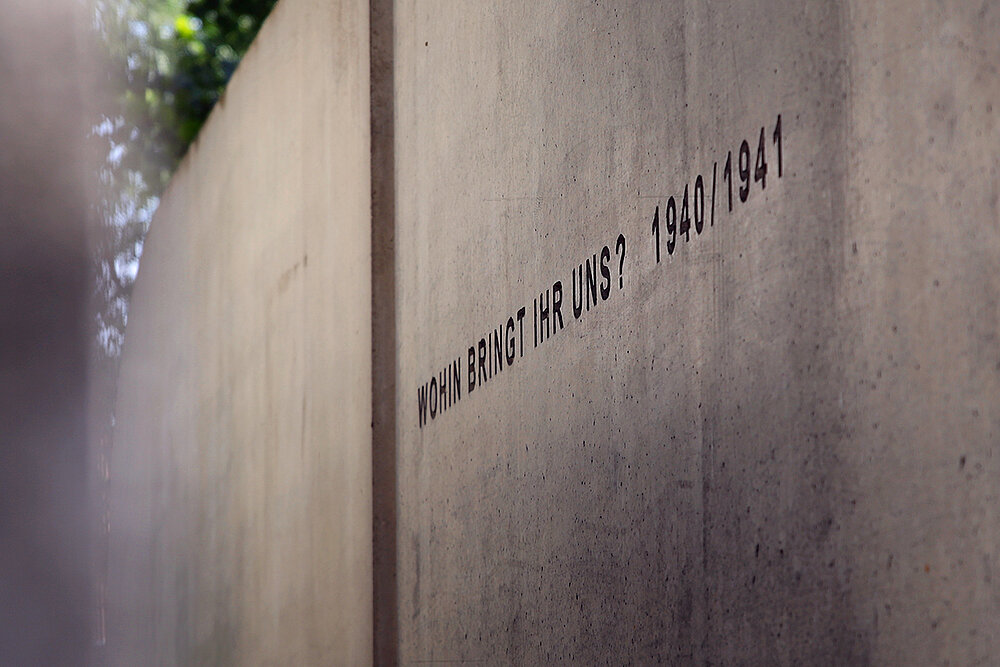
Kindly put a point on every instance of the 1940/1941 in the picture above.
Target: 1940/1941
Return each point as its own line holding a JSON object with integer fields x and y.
{"x": 737, "y": 178}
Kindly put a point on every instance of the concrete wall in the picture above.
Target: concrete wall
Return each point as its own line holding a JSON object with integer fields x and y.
{"x": 241, "y": 508}
{"x": 770, "y": 443}
{"x": 775, "y": 446}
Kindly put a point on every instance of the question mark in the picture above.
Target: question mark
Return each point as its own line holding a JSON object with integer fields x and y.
{"x": 620, "y": 249}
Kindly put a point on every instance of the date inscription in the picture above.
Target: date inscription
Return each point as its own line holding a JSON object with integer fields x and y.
{"x": 694, "y": 208}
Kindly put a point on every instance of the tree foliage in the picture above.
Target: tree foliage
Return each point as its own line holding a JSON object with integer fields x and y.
{"x": 168, "y": 64}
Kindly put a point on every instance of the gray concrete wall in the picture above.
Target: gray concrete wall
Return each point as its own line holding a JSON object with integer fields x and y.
{"x": 775, "y": 446}
{"x": 770, "y": 443}
{"x": 241, "y": 502}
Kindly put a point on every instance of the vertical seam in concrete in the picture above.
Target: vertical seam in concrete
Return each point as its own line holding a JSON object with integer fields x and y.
{"x": 383, "y": 227}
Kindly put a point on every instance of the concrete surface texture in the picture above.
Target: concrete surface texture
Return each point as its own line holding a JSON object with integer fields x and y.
{"x": 694, "y": 354}
{"x": 775, "y": 446}
{"x": 241, "y": 505}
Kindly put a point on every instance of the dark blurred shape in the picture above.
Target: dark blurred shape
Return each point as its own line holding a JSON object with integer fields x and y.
{"x": 45, "y": 337}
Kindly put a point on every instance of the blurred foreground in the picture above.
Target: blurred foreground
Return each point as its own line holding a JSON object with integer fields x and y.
{"x": 45, "y": 208}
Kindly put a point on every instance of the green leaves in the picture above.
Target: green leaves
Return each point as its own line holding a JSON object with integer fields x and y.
{"x": 168, "y": 62}
{"x": 186, "y": 27}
